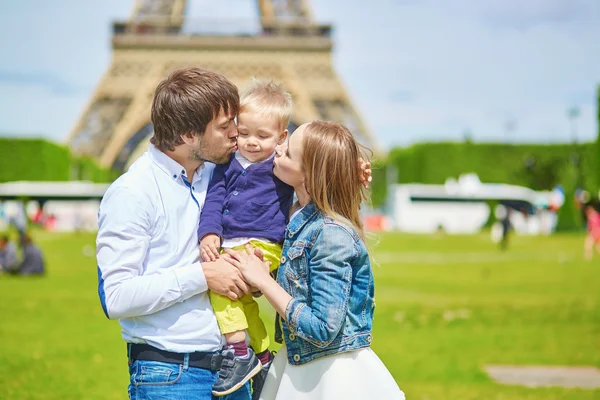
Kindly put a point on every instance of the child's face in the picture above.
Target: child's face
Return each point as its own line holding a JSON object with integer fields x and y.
{"x": 258, "y": 135}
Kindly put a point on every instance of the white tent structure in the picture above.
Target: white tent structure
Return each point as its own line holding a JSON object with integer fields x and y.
{"x": 43, "y": 191}
{"x": 462, "y": 206}
{"x": 66, "y": 206}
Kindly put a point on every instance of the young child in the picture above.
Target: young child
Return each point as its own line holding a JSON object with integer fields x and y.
{"x": 246, "y": 203}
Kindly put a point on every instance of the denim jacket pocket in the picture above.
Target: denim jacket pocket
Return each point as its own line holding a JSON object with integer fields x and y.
{"x": 296, "y": 272}
{"x": 156, "y": 373}
{"x": 296, "y": 255}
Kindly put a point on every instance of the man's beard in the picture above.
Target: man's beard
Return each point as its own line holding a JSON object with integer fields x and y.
{"x": 206, "y": 153}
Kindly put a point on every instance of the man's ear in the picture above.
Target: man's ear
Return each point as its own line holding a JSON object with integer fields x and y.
{"x": 282, "y": 137}
{"x": 188, "y": 138}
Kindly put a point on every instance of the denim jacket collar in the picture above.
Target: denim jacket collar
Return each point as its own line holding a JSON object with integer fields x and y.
{"x": 301, "y": 219}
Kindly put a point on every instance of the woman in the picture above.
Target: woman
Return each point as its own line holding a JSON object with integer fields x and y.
{"x": 593, "y": 232}
{"x": 324, "y": 288}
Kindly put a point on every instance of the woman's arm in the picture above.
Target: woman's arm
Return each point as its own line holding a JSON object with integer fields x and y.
{"x": 330, "y": 283}
{"x": 256, "y": 273}
{"x": 276, "y": 295}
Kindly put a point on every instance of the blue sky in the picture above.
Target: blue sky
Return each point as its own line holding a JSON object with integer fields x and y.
{"x": 417, "y": 70}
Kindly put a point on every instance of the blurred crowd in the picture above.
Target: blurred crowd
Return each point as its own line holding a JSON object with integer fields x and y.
{"x": 31, "y": 261}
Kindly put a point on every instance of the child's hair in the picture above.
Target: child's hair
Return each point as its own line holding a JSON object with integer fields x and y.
{"x": 330, "y": 160}
{"x": 267, "y": 98}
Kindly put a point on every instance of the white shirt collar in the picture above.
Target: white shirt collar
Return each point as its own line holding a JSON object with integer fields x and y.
{"x": 170, "y": 166}
{"x": 245, "y": 163}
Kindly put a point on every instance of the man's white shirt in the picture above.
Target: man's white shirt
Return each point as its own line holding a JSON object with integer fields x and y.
{"x": 149, "y": 272}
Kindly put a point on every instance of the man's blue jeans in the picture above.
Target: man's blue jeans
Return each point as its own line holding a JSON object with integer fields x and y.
{"x": 158, "y": 380}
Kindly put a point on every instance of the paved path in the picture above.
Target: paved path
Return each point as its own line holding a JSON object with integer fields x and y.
{"x": 544, "y": 376}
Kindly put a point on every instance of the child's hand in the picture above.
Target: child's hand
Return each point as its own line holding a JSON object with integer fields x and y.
{"x": 209, "y": 247}
{"x": 365, "y": 175}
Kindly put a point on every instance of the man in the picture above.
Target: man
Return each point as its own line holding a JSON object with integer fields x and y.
{"x": 149, "y": 273}
{"x": 506, "y": 227}
{"x": 8, "y": 254}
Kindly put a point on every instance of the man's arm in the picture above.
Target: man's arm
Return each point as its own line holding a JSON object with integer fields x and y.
{"x": 124, "y": 233}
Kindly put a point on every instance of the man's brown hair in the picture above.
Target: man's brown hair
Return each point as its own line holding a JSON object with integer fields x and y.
{"x": 186, "y": 101}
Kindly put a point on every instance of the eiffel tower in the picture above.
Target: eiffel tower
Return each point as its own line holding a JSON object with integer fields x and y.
{"x": 287, "y": 46}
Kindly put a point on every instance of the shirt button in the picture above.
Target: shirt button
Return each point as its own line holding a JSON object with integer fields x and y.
{"x": 283, "y": 259}
{"x": 193, "y": 188}
{"x": 226, "y": 212}
{"x": 292, "y": 336}
{"x": 183, "y": 172}
{"x": 235, "y": 193}
{"x": 296, "y": 357}
{"x": 290, "y": 235}
{"x": 244, "y": 172}
{"x": 174, "y": 176}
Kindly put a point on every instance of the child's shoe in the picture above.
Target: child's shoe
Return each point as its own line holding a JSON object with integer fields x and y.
{"x": 235, "y": 372}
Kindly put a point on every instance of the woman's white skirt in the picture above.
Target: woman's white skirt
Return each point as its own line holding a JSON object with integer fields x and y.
{"x": 354, "y": 375}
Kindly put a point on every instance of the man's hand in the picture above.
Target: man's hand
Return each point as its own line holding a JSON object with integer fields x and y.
{"x": 209, "y": 247}
{"x": 223, "y": 278}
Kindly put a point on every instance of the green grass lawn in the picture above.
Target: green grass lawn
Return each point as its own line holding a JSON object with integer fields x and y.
{"x": 446, "y": 306}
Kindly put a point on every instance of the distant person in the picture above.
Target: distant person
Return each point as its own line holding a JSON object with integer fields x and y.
{"x": 19, "y": 221}
{"x": 592, "y": 238}
{"x": 8, "y": 254}
{"x": 506, "y": 227}
{"x": 33, "y": 261}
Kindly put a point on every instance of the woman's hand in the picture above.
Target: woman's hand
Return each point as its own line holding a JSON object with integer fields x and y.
{"x": 365, "y": 175}
{"x": 254, "y": 270}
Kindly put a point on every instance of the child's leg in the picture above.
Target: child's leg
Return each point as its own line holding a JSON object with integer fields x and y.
{"x": 259, "y": 338}
{"x": 240, "y": 363}
{"x": 232, "y": 321}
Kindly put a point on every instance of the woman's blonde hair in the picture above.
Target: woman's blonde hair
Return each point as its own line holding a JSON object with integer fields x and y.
{"x": 330, "y": 161}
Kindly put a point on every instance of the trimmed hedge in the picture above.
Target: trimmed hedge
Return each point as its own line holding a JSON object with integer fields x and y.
{"x": 41, "y": 160}
{"x": 540, "y": 167}
{"x": 536, "y": 166}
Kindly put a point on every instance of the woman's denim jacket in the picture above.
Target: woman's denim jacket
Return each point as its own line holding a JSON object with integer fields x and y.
{"x": 325, "y": 267}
